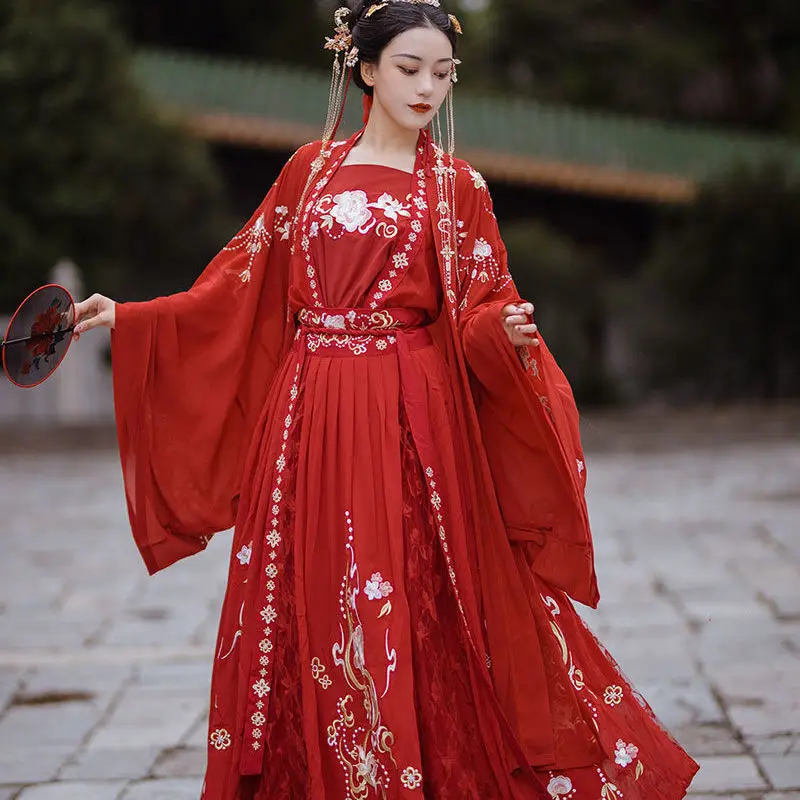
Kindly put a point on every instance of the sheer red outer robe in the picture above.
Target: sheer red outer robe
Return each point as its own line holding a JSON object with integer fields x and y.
{"x": 407, "y": 490}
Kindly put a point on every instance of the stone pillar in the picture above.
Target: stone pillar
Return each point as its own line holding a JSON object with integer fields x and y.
{"x": 77, "y": 384}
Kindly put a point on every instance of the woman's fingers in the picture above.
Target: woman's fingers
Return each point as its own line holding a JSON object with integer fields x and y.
{"x": 518, "y": 325}
{"x": 97, "y": 311}
{"x": 97, "y": 321}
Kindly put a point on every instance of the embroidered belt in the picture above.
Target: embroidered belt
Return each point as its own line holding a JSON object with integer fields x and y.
{"x": 360, "y": 331}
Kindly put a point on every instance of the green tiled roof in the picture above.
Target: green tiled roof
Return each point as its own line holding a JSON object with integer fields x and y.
{"x": 495, "y": 126}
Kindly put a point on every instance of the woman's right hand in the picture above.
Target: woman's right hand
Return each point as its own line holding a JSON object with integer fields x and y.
{"x": 95, "y": 312}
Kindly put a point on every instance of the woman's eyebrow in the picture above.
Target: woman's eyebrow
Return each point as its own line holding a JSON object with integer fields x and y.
{"x": 417, "y": 58}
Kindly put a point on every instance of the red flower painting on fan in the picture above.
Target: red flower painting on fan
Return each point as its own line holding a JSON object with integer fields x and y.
{"x": 44, "y": 336}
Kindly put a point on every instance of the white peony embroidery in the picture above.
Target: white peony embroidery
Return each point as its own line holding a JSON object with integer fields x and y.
{"x": 482, "y": 250}
{"x": 559, "y": 786}
{"x": 351, "y": 210}
{"x": 334, "y": 321}
{"x": 625, "y": 753}
{"x": 377, "y": 588}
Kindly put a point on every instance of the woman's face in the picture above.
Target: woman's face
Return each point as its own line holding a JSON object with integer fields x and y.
{"x": 413, "y": 76}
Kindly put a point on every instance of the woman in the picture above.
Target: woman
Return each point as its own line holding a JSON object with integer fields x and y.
{"x": 356, "y": 384}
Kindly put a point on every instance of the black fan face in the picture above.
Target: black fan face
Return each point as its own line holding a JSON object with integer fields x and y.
{"x": 38, "y": 336}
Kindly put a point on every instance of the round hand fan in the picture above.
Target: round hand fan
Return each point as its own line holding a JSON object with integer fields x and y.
{"x": 38, "y": 336}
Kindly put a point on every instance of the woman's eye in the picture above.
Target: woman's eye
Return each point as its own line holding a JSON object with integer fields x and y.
{"x": 407, "y": 71}
{"x": 442, "y": 75}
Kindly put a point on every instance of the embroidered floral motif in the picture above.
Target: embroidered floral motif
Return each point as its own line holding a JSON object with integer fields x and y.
{"x": 254, "y": 729}
{"x": 252, "y": 241}
{"x": 318, "y": 672}
{"x": 334, "y": 321}
{"x": 482, "y": 250}
{"x": 361, "y": 742}
{"x": 357, "y": 345}
{"x": 613, "y": 695}
{"x": 351, "y": 210}
{"x": 220, "y": 739}
{"x": 400, "y": 260}
{"x": 282, "y": 226}
{"x": 609, "y": 790}
{"x": 391, "y": 207}
{"x": 477, "y": 178}
{"x": 625, "y": 753}
{"x": 376, "y": 588}
{"x": 411, "y": 778}
{"x": 245, "y": 554}
{"x": 559, "y": 786}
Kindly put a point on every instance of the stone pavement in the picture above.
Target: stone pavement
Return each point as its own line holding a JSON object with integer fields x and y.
{"x": 104, "y": 672}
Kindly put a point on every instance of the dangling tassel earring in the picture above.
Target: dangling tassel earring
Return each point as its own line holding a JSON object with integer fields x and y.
{"x": 450, "y": 123}
{"x": 446, "y": 141}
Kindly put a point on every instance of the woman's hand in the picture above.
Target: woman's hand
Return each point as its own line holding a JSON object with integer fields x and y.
{"x": 96, "y": 312}
{"x": 518, "y": 324}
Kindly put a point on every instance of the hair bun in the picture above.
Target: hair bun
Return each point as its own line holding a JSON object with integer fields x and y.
{"x": 358, "y": 8}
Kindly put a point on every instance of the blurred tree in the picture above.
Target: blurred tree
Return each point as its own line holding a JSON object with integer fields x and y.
{"x": 724, "y": 61}
{"x": 715, "y": 312}
{"x": 86, "y": 171}
{"x": 566, "y": 284}
{"x": 290, "y": 32}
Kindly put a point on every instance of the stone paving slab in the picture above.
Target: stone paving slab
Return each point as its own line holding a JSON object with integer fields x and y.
{"x": 68, "y": 790}
{"x": 165, "y": 789}
{"x": 104, "y": 672}
{"x": 727, "y": 773}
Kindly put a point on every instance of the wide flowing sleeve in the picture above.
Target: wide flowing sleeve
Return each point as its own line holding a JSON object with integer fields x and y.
{"x": 527, "y": 412}
{"x": 191, "y": 373}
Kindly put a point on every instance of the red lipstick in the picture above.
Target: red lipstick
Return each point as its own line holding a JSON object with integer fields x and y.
{"x": 421, "y": 108}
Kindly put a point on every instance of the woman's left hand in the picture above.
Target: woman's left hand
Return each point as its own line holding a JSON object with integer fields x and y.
{"x": 518, "y": 324}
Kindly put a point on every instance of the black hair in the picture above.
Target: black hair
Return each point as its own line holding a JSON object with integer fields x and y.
{"x": 372, "y": 34}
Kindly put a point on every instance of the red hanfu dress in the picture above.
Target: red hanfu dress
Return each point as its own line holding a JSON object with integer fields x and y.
{"x": 396, "y": 623}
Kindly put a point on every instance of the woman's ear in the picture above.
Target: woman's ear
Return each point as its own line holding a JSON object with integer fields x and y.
{"x": 368, "y": 73}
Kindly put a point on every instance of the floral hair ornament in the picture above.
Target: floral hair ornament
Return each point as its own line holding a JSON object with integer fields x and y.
{"x": 344, "y": 59}
{"x": 378, "y": 6}
{"x": 372, "y": 9}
